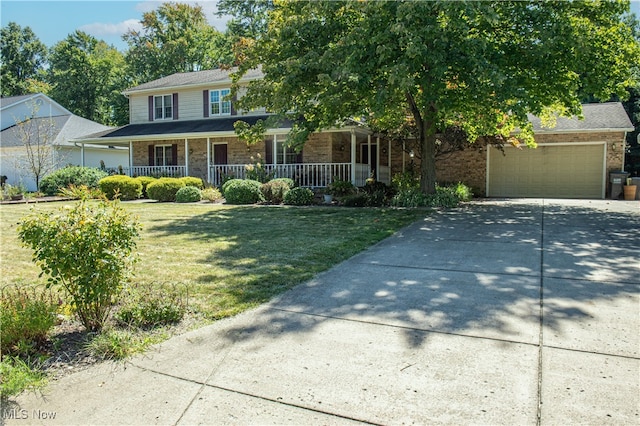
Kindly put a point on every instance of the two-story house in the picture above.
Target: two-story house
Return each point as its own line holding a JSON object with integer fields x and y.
{"x": 183, "y": 124}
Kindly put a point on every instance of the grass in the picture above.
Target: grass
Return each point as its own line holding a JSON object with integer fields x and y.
{"x": 228, "y": 258}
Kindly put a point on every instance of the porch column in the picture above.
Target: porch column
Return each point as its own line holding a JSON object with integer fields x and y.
{"x": 369, "y": 159}
{"x": 389, "y": 158}
{"x": 353, "y": 156}
{"x": 186, "y": 157}
{"x": 274, "y": 150}
{"x": 209, "y": 160}
{"x": 82, "y": 155}
{"x": 130, "y": 158}
{"x": 377, "y": 158}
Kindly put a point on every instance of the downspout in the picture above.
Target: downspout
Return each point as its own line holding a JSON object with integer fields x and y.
{"x": 82, "y": 154}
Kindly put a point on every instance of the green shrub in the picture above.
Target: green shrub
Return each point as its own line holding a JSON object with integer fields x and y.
{"x": 122, "y": 187}
{"x": 256, "y": 171}
{"x": 146, "y": 308}
{"x": 445, "y": 196}
{"x": 211, "y": 194}
{"x": 26, "y": 318}
{"x": 164, "y": 189}
{"x": 356, "y": 200}
{"x": 290, "y": 182}
{"x": 410, "y": 197}
{"x": 243, "y": 191}
{"x": 377, "y": 194}
{"x": 193, "y": 181}
{"x": 274, "y": 191}
{"x": 145, "y": 181}
{"x": 88, "y": 250}
{"x": 18, "y": 376}
{"x": 405, "y": 181}
{"x": 299, "y": 197}
{"x": 341, "y": 188}
{"x": 188, "y": 194}
{"x": 72, "y": 175}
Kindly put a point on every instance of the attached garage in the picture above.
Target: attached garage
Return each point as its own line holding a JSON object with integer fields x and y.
{"x": 573, "y": 159}
{"x": 560, "y": 170}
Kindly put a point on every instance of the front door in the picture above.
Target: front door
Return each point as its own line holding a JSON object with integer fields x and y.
{"x": 220, "y": 154}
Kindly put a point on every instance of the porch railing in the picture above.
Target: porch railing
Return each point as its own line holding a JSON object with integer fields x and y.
{"x": 157, "y": 171}
{"x": 311, "y": 175}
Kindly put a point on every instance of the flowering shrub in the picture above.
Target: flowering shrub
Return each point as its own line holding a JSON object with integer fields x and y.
{"x": 256, "y": 171}
{"x": 274, "y": 191}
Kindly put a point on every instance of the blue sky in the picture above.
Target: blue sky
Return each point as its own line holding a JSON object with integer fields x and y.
{"x": 53, "y": 20}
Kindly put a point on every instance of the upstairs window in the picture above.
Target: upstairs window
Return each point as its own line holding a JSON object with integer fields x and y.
{"x": 218, "y": 105}
{"x": 163, "y": 107}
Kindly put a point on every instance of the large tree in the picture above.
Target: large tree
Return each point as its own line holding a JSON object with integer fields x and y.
{"x": 86, "y": 76}
{"x": 175, "y": 38}
{"x": 22, "y": 57}
{"x": 477, "y": 66}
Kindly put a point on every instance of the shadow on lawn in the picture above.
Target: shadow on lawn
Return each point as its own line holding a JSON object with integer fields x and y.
{"x": 477, "y": 271}
{"x": 259, "y": 252}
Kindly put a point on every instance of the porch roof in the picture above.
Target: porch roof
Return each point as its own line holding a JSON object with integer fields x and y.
{"x": 211, "y": 127}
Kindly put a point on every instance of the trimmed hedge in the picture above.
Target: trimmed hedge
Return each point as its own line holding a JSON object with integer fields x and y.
{"x": 193, "y": 181}
{"x": 145, "y": 181}
{"x": 275, "y": 190}
{"x": 164, "y": 189}
{"x": 126, "y": 187}
{"x": 243, "y": 191}
{"x": 290, "y": 182}
{"x": 188, "y": 194}
{"x": 71, "y": 175}
{"x": 299, "y": 197}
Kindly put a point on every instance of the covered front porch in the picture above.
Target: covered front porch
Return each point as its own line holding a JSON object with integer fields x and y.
{"x": 351, "y": 153}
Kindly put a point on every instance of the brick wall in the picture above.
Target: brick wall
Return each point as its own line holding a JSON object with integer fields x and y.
{"x": 470, "y": 166}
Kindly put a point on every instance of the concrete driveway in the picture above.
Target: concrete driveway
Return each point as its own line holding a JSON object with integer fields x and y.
{"x": 501, "y": 312}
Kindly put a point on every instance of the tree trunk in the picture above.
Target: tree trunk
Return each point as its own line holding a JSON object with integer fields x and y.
{"x": 428, "y": 162}
{"x": 425, "y": 121}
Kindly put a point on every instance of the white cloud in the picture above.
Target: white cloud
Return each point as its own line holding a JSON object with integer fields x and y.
{"x": 100, "y": 29}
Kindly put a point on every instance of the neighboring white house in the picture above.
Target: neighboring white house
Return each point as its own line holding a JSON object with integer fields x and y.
{"x": 62, "y": 126}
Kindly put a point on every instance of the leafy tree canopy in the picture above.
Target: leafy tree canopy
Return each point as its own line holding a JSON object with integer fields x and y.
{"x": 86, "y": 76}
{"x": 478, "y": 66}
{"x": 22, "y": 56}
{"x": 175, "y": 38}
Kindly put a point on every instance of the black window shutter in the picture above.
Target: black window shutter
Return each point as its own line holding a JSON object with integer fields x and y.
{"x": 175, "y": 106}
{"x": 152, "y": 152}
{"x": 268, "y": 151}
{"x": 205, "y": 103}
{"x": 150, "y": 108}
{"x": 299, "y": 158}
{"x": 174, "y": 154}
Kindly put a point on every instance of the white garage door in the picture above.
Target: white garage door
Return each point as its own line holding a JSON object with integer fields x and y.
{"x": 548, "y": 171}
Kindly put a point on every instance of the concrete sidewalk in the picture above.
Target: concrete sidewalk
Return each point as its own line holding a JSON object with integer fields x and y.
{"x": 502, "y": 312}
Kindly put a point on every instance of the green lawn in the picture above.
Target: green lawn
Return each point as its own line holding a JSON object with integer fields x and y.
{"x": 230, "y": 258}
